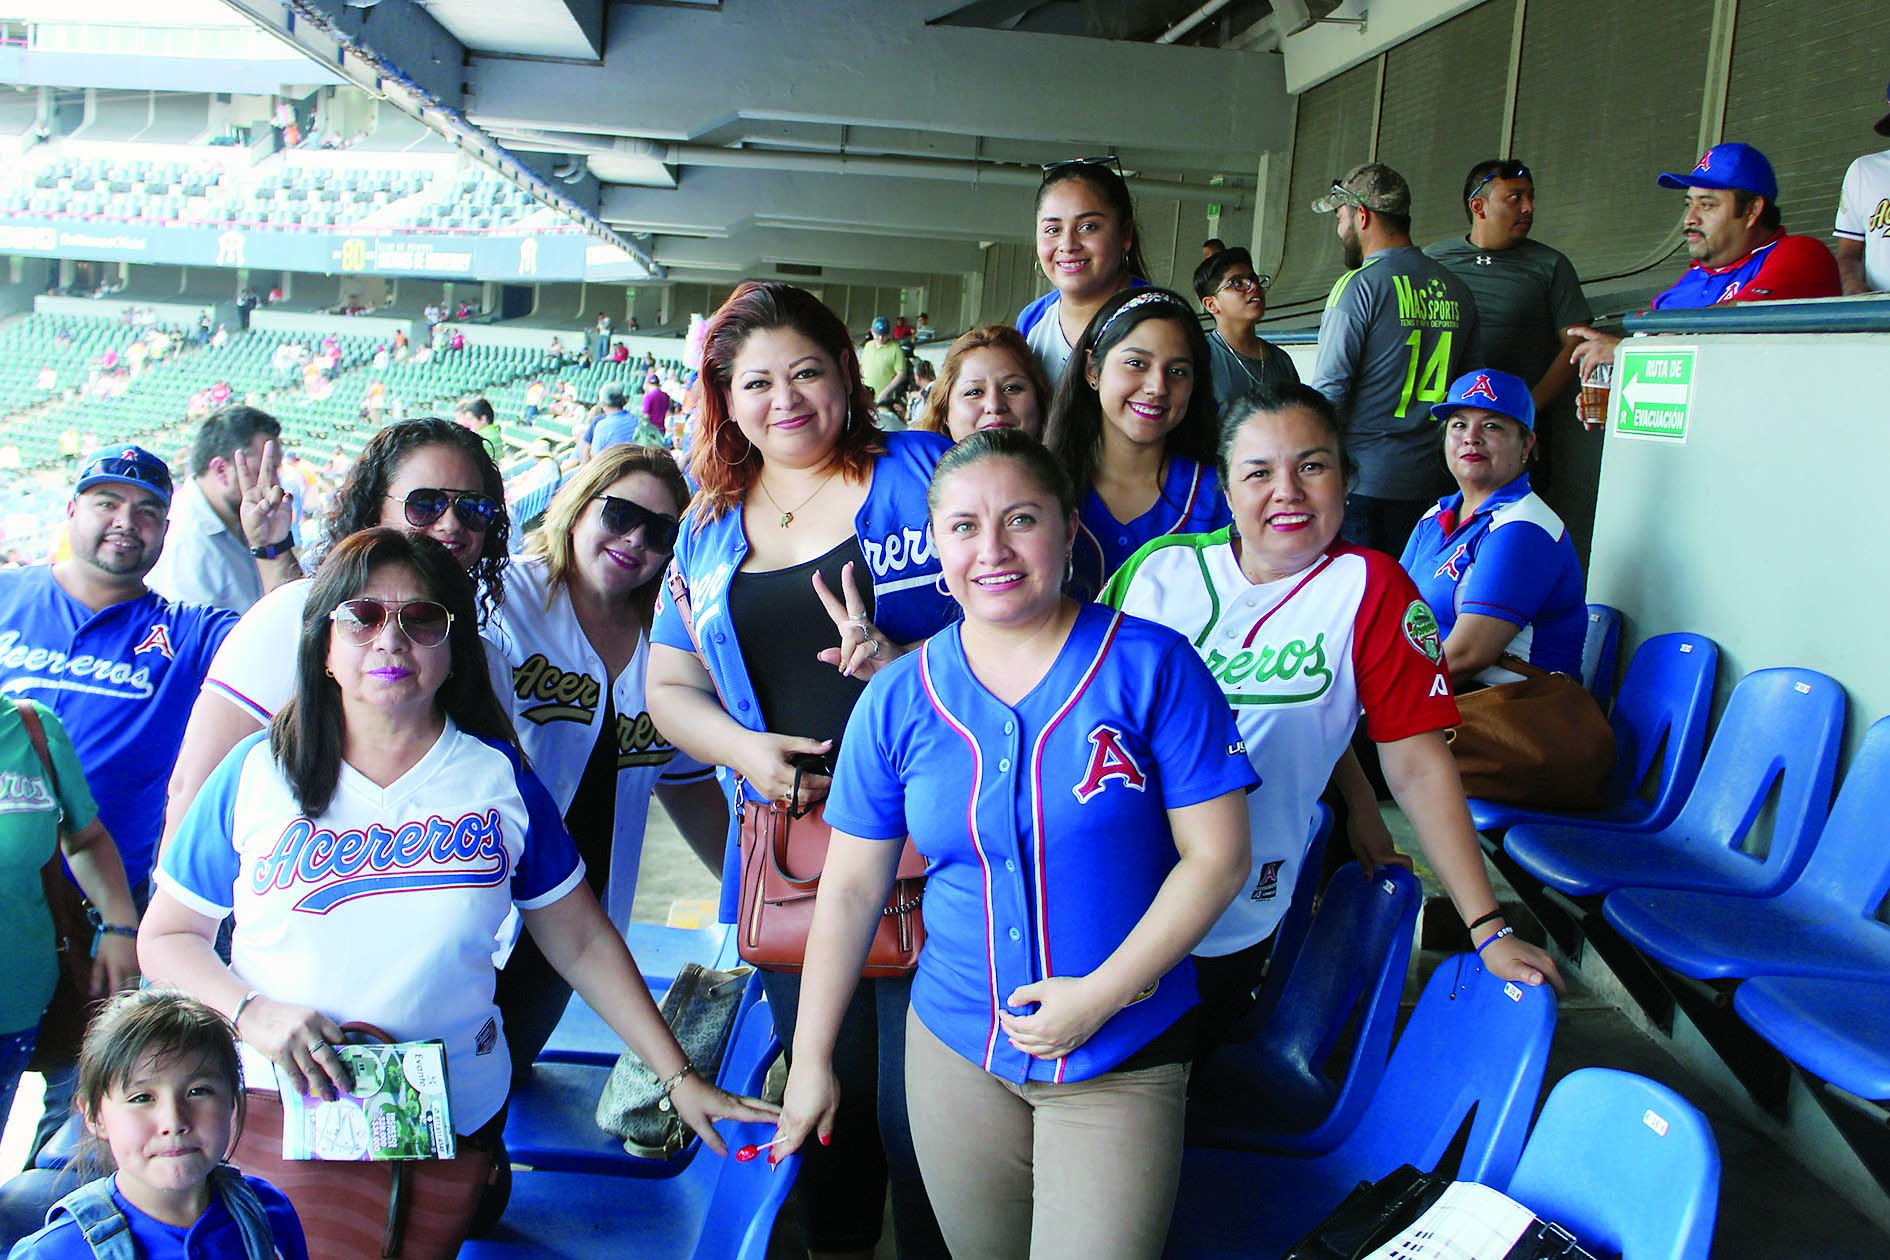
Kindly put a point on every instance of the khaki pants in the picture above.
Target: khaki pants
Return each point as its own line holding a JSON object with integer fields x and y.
{"x": 1085, "y": 1170}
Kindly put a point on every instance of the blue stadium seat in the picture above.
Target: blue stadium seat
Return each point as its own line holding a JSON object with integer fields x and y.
{"x": 1659, "y": 721}
{"x": 1623, "y": 1163}
{"x": 1475, "y": 1048}
{"x": 582, "y": 1036}
{"x": 1824, "y": 924}
{"x": 1781, "y": 727}
{"x": 1835, "y": 1029}
{"x": 1600, "y": 647}
{"x": 1281, "y": 1090}
{"x": 1291, "y": 932}
{"x": 551, "y": 1122}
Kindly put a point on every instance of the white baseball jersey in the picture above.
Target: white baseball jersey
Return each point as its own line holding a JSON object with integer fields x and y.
{"x": 255, "y": 667}
{"x": 546, "y": 671}
{"x": 1296, "y": 659}
{"x": 1864, "y": 215}
{"x": 388, "y": 907}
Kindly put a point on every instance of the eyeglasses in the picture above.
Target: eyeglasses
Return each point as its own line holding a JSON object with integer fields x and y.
{"x": 129, "y": 468}
{"x": 475, "y": 511}
{"x": 1246, "y": 284}
{"x": 622, "y": 517}
{"x": 1502, "y": 170}
{"x": 424, "y": 622}
{"x": 1109, "y": 160}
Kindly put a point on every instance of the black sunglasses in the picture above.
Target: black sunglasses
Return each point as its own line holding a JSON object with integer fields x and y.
{"x": 424, "y": 622}
{"x": 622, "y": 517}
{"x": 1109, "y": 160}
{"x": 1502, "y": 170}
{"x": 475, "y": 511}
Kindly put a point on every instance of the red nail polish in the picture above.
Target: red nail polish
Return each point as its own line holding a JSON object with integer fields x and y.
{"x": 826, "y": 1139}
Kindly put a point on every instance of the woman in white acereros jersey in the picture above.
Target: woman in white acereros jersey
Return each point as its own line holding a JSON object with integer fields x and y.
{"x": 1303, "y": 631}
{"x": 568, "y": 650}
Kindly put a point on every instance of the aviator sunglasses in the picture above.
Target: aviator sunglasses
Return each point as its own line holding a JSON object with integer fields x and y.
{"x": 621, "y": 517}
{"x": 475, "y": 511}
{"x": 424, "y": 622}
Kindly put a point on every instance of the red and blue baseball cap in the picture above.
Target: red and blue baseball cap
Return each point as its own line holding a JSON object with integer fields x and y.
{"x": 126, "y": 466}
{"x": 1883, "y": 124}
{"x": 1729, "y": 165}
{"x": 1491, "y": 390}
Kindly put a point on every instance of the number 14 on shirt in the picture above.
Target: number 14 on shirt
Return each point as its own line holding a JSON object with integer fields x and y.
{"x": 1435, "y": 381}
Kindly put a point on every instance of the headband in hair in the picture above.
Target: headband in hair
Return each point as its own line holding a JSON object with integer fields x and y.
{"x": 1142, "y": 299}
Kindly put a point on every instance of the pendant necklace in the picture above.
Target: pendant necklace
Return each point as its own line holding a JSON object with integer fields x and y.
{"x": 787, "y": 514}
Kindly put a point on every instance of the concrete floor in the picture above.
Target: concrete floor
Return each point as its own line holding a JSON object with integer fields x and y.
{"x": 1770, "y": 1206}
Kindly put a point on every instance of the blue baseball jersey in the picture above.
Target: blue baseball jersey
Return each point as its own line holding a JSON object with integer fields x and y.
{"x": 388, "y": 907}
{"x": 1512, "y": 560}
{"x": 1191, "y": 502}
{"x": 895, "y": 535}
{"x": 122, "y": 681}
{"x": 1784, "y": 267}
{"x": 1044, "y": 825}
{"x": 214, "y": 1236}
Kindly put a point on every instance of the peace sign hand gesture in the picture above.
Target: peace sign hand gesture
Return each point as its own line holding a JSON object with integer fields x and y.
{"x": 266, "y": 511}
{"x": 863, "y": 649}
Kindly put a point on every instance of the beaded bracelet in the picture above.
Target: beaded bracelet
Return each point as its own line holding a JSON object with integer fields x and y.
{"x": 1495, "y": 936}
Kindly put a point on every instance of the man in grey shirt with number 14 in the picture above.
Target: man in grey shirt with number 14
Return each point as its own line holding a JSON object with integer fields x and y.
{"x": 1397, "y": 330}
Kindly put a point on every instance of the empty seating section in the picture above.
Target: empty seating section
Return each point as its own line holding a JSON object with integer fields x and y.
{"x": 290, "y": 191}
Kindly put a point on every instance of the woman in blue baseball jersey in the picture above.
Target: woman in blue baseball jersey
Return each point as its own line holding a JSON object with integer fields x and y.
{"x": 161, "y": 1092}
{"x": 1494, "y": 560}
{"x": 1078, "y": 786}
{"x": 809, "y": 528}
{"x": 1133, "y": 423}
{"x": 371, "y": 847}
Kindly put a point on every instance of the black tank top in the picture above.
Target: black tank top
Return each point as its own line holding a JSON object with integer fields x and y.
{"x": 783, "y": 628}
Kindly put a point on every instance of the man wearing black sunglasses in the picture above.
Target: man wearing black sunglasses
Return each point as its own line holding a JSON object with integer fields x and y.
{"x": 1527, "y": 294}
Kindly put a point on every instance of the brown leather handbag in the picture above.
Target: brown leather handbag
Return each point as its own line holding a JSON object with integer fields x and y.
{"x": 783, "y": 853}
{"x": 1540, "y": 742}
{"x": 399, "y": 1209}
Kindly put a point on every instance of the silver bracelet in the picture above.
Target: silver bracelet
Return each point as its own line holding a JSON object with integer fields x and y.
{"x": 669, "y": 1084}
{"x": 243, "y": 1005}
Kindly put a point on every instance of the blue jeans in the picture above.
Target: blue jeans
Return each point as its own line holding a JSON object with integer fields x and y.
{"x": 15, "y": 1049}
{"x": 842, "y": 1188}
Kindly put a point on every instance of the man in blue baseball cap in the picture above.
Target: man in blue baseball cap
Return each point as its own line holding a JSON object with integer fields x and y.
{"x": 1493, "y": 560}
{"x": 121, "y": 666}
{"x": 1863, "y": 221}
{"x": 1735, "y": 236}
{"x": 884, "y": 365}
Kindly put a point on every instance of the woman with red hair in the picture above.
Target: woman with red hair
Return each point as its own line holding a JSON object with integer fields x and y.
{"x": 809, "y": 565}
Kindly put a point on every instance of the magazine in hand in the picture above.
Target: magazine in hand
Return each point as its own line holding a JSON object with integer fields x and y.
{"x": 396, "y": 1110}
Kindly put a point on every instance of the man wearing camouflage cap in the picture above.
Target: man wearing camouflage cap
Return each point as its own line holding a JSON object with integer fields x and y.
{"x": 1397, "y": 330}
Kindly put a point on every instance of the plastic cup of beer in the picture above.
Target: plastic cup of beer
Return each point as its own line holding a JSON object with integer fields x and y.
{"x": 1591, "y": 406}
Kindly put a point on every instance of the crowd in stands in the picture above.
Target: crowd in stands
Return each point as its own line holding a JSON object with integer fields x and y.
{"x": 1089, "y": 620}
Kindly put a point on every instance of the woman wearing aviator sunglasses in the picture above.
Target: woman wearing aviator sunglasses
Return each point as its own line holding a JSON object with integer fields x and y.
{"x": 372, "y": 847}
{"x": 568, "y": 651}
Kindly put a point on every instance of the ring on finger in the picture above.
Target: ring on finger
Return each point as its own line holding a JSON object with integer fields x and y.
{"x": 316, "y": 1047}
{"x": 874, "y": 643}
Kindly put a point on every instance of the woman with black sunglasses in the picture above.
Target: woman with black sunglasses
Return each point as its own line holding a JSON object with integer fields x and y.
{"x": 372, "y": 847}
{"x": 568, "y": 650}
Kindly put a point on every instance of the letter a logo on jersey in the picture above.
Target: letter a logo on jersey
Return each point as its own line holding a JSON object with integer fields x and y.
{"x": 1109, "y": 759}
{"x": 156, "y": 639}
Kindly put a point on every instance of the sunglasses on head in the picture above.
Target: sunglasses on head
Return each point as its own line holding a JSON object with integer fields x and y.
{"x": 621, "y": 517}
{"x": 1109, "y": 160}
{"x": 475, "y": 511}
{"x": 1343, "y": 194}
{"x": 424, "y": 622}
{"x": 129, "y": 470}
{"x": 1502, "y": 170}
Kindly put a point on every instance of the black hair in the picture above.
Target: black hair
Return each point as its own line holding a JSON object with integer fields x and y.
{"x": 479, "y": 408}
{"x": 306, "y": 735}
{"x": 1114, "y": 190}
{"x": 1073, "y": 429}
{"x": 359, "y": 501}
{"x": 1270, "y": 400}
{"x": 1012, "y": 444}
{"x": 229, "y": 430}
{"x": 152, "y": 1023}
{"x": 1214, "y": 243}
{"x": 1770, "y": 217}
{"x": 1486, "y": 172}
{"x": 1213, "y": 270}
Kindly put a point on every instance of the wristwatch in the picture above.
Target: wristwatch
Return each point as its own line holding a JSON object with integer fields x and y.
{"x": 274, "y": 549}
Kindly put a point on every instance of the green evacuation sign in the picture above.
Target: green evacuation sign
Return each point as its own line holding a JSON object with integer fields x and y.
{"x": 1654, "y": 393}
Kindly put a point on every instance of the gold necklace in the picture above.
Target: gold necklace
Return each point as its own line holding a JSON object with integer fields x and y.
{"x": 787, "y": 514}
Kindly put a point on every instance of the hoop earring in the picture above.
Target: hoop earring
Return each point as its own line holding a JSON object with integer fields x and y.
{"x": 1069, "y": 567}
{"x": 715, "y": 447}
{"x": 938, "y": 584}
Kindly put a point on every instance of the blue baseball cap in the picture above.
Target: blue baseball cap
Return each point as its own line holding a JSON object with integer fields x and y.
{"x": 1883, "y": 124}
{"x": 126, "y": 466}
{"x": 1493, "y": 391}
{"x": 1729, "y": 165}
{"x": 881, "y": 325}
